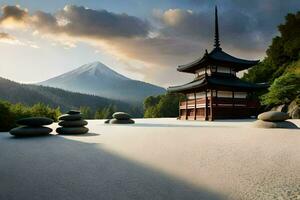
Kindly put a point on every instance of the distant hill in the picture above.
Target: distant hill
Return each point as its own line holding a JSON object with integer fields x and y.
{"x": 31, "y": 94}
{"x": 98, "y": 79}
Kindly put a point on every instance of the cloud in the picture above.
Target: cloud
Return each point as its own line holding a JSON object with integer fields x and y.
{"x": 9, "y": 39}
{"x": 13, "y": 16}
{"x": 175, "y": 36}
{"x": 5, "y": 36}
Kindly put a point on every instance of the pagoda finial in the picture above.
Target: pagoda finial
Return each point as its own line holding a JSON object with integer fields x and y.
{"x": 217, "y": 40}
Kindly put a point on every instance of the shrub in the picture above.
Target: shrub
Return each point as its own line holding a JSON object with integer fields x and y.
{"x": 10, "y": 113}
{"x": 283, "y": 90}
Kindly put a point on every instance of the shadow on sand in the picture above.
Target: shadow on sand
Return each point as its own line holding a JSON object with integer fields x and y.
{"x": 59, "y": 168}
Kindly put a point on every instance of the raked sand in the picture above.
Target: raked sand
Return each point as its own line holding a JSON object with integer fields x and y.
{"x": 154, "y": 159}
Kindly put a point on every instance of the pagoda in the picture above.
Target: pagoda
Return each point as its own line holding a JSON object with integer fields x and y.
{"x": 217, "y": 92}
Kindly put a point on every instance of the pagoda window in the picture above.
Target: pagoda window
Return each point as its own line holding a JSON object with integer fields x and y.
{"x": 200, "y": 95}
{"x": 225, "y": 70}
{"x": 191, "y": 96}
{"x": 225, "y": 94}
{"x": 241, "y": 95}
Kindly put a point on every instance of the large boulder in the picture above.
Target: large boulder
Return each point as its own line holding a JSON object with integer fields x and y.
{"x": 121, "y": 121}
{"x": 273, "y": 116}
{"x": 30, "y": 131}
{"x": 35, "y": 121}
{"x": 281, "y": 124}
{"x": 294, "y": 110}
{"x": 77, "y": 123}
{"x": 121, "y": 116}
{"x": 72, "y": 130}
{"x": 70, "y": 117}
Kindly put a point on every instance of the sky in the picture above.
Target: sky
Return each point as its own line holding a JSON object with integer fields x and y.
{"x": 144, "y": 40}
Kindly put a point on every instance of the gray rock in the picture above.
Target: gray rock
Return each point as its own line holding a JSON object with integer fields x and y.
{"x": 282, "y": 124}
{"x": 294, "y": 110}
{"x": 72, "y": 130}
{"x": 77, "y": 123}
{"x": 30, "y": 131}
{"x": 121, "y": 115}
{"x": 273, "y": 116}
{"x": 121, "y": 121}
{"x": 68, "y": 117}
{"x": 35, "y": 121}
{"x": 72, "y": 112}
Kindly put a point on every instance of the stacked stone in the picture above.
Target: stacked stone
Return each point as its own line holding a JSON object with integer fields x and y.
{"x": 32, "y": 126}
{"x": 72, "y": 123}
{"x": 274, "y": 119}
{"x": 121, "y": 118}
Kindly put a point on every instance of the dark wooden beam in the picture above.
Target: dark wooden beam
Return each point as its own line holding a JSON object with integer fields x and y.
{"x": 195, "y": 114}
{"x": 206, "y": 106}
{"x": 211, "y": 106}
{"x": 186, "y": 107}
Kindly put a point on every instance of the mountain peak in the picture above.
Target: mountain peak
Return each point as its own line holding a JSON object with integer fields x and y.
{"x": 98, "y": 79}
{"x": 98, "y": 69}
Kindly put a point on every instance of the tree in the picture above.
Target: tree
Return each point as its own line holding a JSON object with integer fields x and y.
{"x": 283, "y": 91}
{"x": 106, "y": 112}
{"x": 162, "y": 106}
{"x": 284, "y": 50}
{"x": 86, "y": 112}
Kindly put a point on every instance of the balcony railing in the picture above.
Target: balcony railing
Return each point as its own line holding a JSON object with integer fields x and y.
{"x": 219, "y": 102}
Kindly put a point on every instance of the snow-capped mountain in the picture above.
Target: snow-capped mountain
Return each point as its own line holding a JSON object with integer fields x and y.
{"x": 98, "y": 79}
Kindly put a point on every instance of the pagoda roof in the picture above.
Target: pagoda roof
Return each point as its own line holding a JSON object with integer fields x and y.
{"x": 229, "y": 82}
{"x": 217, "y": 57}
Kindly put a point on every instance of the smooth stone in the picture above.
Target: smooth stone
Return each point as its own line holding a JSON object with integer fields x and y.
{"x": 282, "y": 124}
{"x": 68, "y": 117}
{"x": 73, "y": 112}
{"x": 77, "y": 123}
{"x": 123, "y": 121}
{"x": 35, "y": 121}
{"x": 72, "y": 130}
{"x": 121, "y": 115}
{"x": 273, "y": 116}
{"x": 30, "y": 131}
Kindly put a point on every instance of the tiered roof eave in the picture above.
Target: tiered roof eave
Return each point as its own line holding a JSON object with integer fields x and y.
{"x": 218, "y": 57}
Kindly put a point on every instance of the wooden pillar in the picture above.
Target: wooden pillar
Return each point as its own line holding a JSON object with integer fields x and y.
{"x": 211, "y": 106}
{"x": 195, "y": 114}
{"x": 179, "y": 111}
{"x": 216, "y": 98}
{"x": 233, "y": 104}
{"x": 206, "y": 106}
{"x": 186, "y": 107}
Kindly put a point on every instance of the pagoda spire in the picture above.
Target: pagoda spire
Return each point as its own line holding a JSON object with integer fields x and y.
{"x": 217, "y": 40}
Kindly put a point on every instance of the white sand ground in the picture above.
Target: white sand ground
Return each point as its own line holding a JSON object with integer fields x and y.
{"x": 154, "y": 159}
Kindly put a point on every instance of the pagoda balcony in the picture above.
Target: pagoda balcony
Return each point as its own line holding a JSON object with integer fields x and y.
{"x": 219, "y": 102}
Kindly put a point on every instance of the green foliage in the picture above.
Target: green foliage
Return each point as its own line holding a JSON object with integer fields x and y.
{"x": 162, "y": 106}
{"x": 106, "y": 112}
{"x": 281, "y": 67}
{"x": 284, "y": 50}
{"x": 10, "y": 113}
{"x": 284, "y": 90}
{"x": 86, "y": 112}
